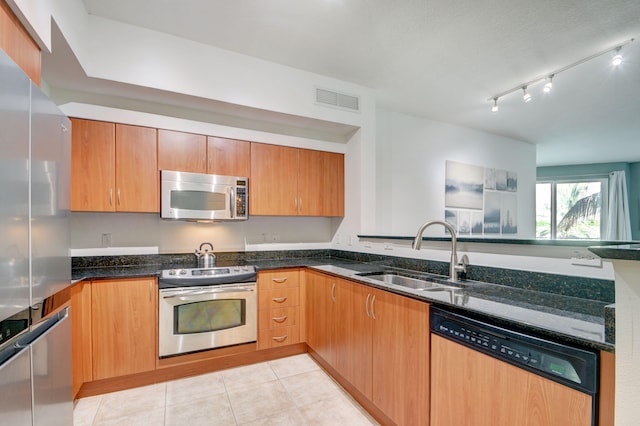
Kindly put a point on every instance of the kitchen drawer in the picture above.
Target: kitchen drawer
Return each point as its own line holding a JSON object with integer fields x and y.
{"x": 279, "y": 298}
{"x": 275, "y": 337}
{"x": 278, "y": 317}
{"x": 278, "y": 279}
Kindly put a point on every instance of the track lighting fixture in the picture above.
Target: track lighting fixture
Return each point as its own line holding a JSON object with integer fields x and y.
{"x": 548, "y": 77}
{"x": 617, "y": 58}
{"x": 549, "y": 84}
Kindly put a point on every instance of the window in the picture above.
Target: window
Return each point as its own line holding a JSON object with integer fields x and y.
{"x": 571, "y": 208}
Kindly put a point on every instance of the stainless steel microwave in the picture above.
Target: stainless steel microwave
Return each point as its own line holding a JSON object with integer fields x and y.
{"x": 202, "y": 197}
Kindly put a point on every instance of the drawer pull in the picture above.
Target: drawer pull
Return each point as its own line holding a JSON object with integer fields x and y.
{"x": 279, "y": 299}
{"x": 279, "y": 280}
{"x": 280, "y": 339}
{"x": 280, "y": 319}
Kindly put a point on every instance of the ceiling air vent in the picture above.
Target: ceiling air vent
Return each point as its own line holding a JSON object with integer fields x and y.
{"x": 340, "y": 100}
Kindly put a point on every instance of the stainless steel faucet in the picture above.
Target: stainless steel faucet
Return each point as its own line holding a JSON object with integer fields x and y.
{"x": 455, "y": 268}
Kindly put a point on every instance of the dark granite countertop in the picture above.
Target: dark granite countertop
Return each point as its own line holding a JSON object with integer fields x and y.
{"x": 547, "y": 315}
{"x": 618, "y": 252}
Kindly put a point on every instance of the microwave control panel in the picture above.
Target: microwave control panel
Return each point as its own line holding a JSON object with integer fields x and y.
{"x": 241, "y": 201}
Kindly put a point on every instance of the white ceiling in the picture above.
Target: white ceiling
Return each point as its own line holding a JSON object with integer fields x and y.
{"x": 439, "y": 59}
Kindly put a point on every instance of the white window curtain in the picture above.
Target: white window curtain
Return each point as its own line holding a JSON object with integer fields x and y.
{"x": 618, "y": 225}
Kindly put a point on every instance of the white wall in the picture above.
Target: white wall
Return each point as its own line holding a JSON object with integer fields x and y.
{"x": 123, "y": 53}
{"x": 627, "y": 341}
{"x": 148, "y": 230}
{"x": 412, "y": 153}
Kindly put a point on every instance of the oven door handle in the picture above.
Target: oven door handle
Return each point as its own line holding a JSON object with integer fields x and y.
{"x": 208, "y": 291}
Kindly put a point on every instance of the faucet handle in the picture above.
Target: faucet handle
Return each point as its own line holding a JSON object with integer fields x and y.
{"x": 461, "y": 267}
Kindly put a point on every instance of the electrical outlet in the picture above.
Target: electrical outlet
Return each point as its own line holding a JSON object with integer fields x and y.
{"x": 106, "y": 239}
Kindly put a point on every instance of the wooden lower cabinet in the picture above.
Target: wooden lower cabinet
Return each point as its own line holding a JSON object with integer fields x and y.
{"x": 401, "y": 348}
{"x": 607, "y": 403}
{"x": 353, "y": 335}
{"x": 81, "y": 356}
{"x": 123, "y": 326}
{"x": 377, "y": 341}
{"x": 496, "y": 393}
{"x": 320, "y": 314}
{"x": 278, "y": 308}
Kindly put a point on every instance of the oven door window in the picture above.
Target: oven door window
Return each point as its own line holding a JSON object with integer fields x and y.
{"x": 209, "y": 315}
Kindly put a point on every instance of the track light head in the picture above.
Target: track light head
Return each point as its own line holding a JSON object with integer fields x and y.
{"x": 548, "y": 78}
{"x": 617, "y": 58}
{"x": 494, "y": 108}
{"x": 548, "y": 85}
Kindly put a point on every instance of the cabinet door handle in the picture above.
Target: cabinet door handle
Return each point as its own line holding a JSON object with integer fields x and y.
{"x": 373, "y": 307}
{"x": 110, "y": 197}
{"x": 279, "y": 299}
{"x": 280, "y": 319}
{"x": 333, "y": 292}
{"x": 300, "y": 205}
{"x": 279, "y": 280}
{"x": 118, "y": 196}
{"x": 366, "y": 305}
{"x": 280, "y": 339}
{"x": 295, "y": 203}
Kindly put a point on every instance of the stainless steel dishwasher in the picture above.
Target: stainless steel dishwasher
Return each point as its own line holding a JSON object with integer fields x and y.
{"x": 482, "y": 374}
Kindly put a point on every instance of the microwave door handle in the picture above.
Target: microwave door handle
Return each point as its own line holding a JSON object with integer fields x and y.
{"x": 232, "y": 202}
{"x": 208, "y": 291}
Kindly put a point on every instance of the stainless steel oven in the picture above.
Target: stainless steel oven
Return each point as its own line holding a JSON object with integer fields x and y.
{"x": 206, "y": 308}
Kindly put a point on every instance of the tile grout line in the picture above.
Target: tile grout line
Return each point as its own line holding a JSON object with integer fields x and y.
{"x": 226, "y": 393}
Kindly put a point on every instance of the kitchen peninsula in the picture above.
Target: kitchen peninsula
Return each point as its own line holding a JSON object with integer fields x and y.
{"x": 570, "y": 319}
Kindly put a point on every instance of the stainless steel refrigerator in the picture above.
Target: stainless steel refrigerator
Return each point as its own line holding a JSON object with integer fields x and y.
{"x": 35, "y": 267}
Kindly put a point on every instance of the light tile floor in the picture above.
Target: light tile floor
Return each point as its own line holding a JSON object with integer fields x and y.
{"x": 287, "y": 391}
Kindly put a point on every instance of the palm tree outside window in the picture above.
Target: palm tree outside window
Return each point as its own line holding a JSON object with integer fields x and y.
{"x": 571, "y": 208}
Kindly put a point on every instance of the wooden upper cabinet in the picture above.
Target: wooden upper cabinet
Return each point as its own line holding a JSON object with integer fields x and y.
{"x": 18, "y": 44}
{"x": 229, "y": 157}
{"x": 137, "y": 178}
{"x": 296, "y": 182}
{"x": 273, "y": 189}
{"x": 183, "y": 152}
{"x": 113, "y": 167}
{"x": 92, "y": 165}
{"x": 320, "y": 183}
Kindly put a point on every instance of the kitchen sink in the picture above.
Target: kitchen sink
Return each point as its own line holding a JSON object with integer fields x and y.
{"x": 409, "y": 282}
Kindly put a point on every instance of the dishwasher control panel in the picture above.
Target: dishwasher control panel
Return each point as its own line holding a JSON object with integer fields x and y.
{"x": 557, "y": 361}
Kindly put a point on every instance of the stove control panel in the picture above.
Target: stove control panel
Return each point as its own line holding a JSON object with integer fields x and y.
{"x": 207, "y": 276}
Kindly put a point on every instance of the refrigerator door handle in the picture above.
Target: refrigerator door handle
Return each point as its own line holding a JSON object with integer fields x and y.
{"x": 43, "y": 327}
